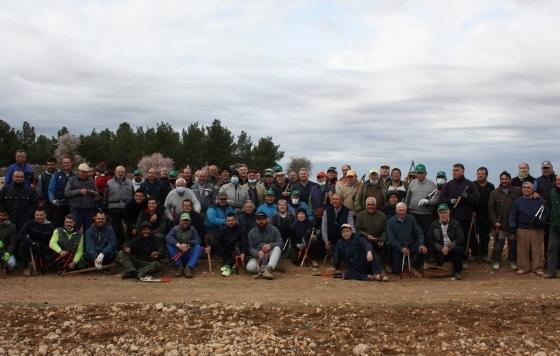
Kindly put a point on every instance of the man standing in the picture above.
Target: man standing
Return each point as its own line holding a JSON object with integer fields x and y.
{"x": 101, "y": 242}
{"x": 142, "y": 255}
{"x": 184, "y": 239}
{"x": 421, "y": 198}
{"x": 56, "y": 191}
{"x": 347, "y": 188}
{"x": 213, "y": 177}
{"x": 554, "y": 236}
{"x": 35, "y": 234}
{"x": 332, "y": 175}
{"x": 396, "y": 184}
{"x": 406, "y": 239}
{"x": 462, "y": 196}
{"x": 153, "y": 187}
{"x": 82, "y": 195}
{"x": 118, "y": 192}
{"x": 523, "y": 175}
{"x": 204, "y": 191}
{"x": 384, "y": 177}
{"x": 137, "y": 180}
{"x": 174, "y": 201}
{"x": 216, "y": 217}
{"x": 499, "y": 205}
{"x": 543, "y": 186}
{"x": 304, "y": 186}
{"x": 528, "y": 216}
{"x": 370, "y": 188}
{"x": 446, "y": 240}
{"x": 265, "y": 247}
{"x": 20, "y": 166}
{"x": 236, "y": 193}
{"x": 43, "y": 189}
{"x": 18, "y": 200}
{"x": 334, "y": 216}
{"x": 481, "y": 209}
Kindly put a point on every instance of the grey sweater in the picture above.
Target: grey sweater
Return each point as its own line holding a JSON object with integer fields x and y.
{"x": 420, "y": 190}
{"x": 257, "y": 238}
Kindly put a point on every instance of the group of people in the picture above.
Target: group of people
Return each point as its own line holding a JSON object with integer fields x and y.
{"x": 90, "y": 218}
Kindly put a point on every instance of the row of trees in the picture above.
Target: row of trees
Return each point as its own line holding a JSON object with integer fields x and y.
{"x": 195, "y": 145}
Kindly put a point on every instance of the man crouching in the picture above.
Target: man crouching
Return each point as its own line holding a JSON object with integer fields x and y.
{"x": 141, "y": 255}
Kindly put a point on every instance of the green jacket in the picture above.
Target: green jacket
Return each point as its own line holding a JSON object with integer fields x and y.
{"x": 67, "y": 242}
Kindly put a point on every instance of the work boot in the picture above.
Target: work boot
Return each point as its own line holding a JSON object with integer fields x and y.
{"x": 130, "y": 274}
{"x": 188, "y": 272}
{"x": 27, "y": 272}
{"x": 267, "y": 274}
{"x": 178, "y": 271}
{"x": 314, "y": 264}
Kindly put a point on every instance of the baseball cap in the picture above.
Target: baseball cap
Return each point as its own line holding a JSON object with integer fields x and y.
{"x": 222, "y": 195}
{"x": 345, "y": 225}
{"x": 442, "y": 206}
{"x": 420, "y": 168}
{"x": 351, "y": 173}
{"x": 374, "y": 171}
{"x": 332, "y": 169}
{"x": 260, "y": 214}
{"x": 546, "y": 164}
{"x": 269, "y": 192}
{"x": 321, "y": 174}
{"x": 441, "y": 174}
{"x": 137, "y": 172}
{"x": 295, "y": 192}
{"x": 84, "y": 167}
{"x": 173, "y": 173}
{"x": 384, "y": 165}
{"x": 185, "y": 216}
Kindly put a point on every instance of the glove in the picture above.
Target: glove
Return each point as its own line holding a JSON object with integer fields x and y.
{"x": 453, "y": 201}
{"x": 300, "y": 246}
{"x": 99, "y": 261}
{"x": 464, "y": 195}
{"x": 1, "y": 244}
{"x": 423, "y": 202}
{"x": 55, "y": 202}
{"x": 6, "y": 257}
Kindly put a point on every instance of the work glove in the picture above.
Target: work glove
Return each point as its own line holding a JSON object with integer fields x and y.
{"x": 6, "y": 257}
{"x": 56, "y": 202}
{"x": 300, "y": 246}
{"x": 423, "y": 202}
{"x": 1, "y": 244}
{"x": 464, "y": 195}
{"x": 453, "y": 201}
{"x": 99, "y": 261}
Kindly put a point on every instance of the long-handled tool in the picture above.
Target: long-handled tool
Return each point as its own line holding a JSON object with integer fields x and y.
{"x": 87, "y": 270}
{"x": 407, "y": 258}
{"x": 460, "y": 197}
{"x": 312, "y": 237}
{"x": 32, "y": 255}
{"x": 471, "y": 228}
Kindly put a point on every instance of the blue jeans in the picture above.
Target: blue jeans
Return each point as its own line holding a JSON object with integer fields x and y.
{"x": 84, "y": 218}
{"x": 188, "y": 259}
{"x": 499, "y": 242}
{"x": 552, "y": 250}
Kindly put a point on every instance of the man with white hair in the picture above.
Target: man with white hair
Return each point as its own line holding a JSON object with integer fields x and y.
{"x": 82, "y": 196}
{"x": 118, "y": 192}
{"x": 528, "y": 216}
{"x": 372, "y": 223}
{"x": 407, "y": 239}
{"x": 174, "y": 201}
{"x": 205, "y": 191}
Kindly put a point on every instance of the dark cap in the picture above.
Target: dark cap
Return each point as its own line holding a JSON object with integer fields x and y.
{"x": 145, "y": 224}
{"x": 260, "y": 214}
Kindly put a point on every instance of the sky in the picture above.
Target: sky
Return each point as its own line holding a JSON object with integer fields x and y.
{"x": 358, "y": 82}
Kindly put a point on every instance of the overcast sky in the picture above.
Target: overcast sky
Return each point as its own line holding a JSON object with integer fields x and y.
{"x": 363, "y": 82}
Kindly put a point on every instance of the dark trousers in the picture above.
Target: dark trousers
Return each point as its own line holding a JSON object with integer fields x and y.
{"x": 424, "y": 220}
{"x": 500, "y": 241}
{"x": 472, "y": 242}
{"x": 416, "y": 258}
{"x": 43, "y": 254}
{"x": 316, "y": 252}
{"x": 483, "y": 227}
{"x": 116, "y": 215}
{"x": 552, "y": 249}
{"x": 455, "y": 256}
{"x": 59, "y": 213}
{"x": 227, "y": 252}
{"x": 359, "y": 272}
{"x": 131, "y": 263}
{"x": 84, "y": 218}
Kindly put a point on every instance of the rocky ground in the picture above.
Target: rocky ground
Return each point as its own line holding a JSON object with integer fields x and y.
{"x": 485, "y": 314}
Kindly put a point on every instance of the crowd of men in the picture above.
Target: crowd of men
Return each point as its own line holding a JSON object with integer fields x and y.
{"x": 380, "y": 224}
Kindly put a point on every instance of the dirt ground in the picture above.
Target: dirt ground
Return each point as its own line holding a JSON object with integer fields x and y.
{"x": 297, "y": 313}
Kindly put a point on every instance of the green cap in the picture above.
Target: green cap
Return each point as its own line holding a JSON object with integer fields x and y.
{"x": 268, "y": 172}
{"x": 295, "y": 192}
{"x": 173, "y": 173}
{"x": 137, "y": 172}
{"x": 277, "y": 168}
{"x": 441, "y": 174}
{"x": 420, "y": 168}
{"x": 442, "y": 206}
{"x": 270, "y": 192}
{"x": 185, "y": 216}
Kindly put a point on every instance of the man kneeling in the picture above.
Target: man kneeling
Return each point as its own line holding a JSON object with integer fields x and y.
{"x": 183, "y": 245}
{"x": 447, "y": 240}
{"x": 141, "y": 255}
{"x": 265, "y": 246}
{"x": 357, "y": 253}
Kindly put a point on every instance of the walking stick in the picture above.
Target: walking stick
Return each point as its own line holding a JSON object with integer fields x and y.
{"x": 307, "y": 247}
{"x": 407, "y": 258}
{"x": 209, "y": 262}
{"x": 469, "y": 236}
{"x": 32, "y": 255}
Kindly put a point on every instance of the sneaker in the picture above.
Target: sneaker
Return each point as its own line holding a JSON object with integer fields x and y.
{"x": 513, "y": 266}
{"x": 457, "y": 276}
{"x": 188, "y": 272}
{"x": 27, "y": 272}
{"x": 130, "y": 274}
{"x": 539, "y": 272}
{"x": 223, "y": 268}
{"x": 465, "y": 265}
{"x": 226, "y": 271}
{"x": 496, "y": 266}
{"x": 267, "y": 274}
{"x": 178, "y": 272}
{"x": 486, "y": 259}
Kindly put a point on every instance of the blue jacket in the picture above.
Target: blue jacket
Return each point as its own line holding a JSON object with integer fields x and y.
{"x": 353, "y": 251}
{"x": 57, "y": 186}
{"x": 269, "y": 210}
{"x": 404, "y": 233}
{"x": 216, "y": 216}
{"x": 100, "y": 241}
{"x": 27, "y": 170}
{"x": 523, "y": 211}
